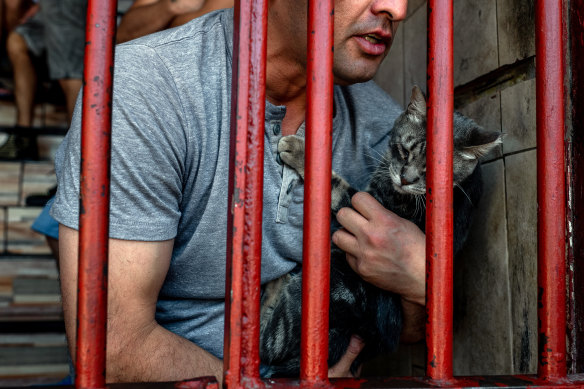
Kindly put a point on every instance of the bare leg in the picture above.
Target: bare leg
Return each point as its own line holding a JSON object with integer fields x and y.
{"x": 25, "y": 78}
{"x": 14, "y": 10}
{"x": 71, "y": 88}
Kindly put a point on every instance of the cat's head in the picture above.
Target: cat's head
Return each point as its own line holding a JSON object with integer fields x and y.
{"x": 406, "y": 157}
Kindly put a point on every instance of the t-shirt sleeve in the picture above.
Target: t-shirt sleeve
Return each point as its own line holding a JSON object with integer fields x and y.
{"x": 149, "y": 145}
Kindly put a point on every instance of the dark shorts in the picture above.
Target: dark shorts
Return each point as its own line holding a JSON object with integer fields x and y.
{"x": 59, "y": 30}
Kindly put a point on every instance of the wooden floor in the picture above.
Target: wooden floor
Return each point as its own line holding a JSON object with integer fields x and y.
{"x": 33, "y": 347}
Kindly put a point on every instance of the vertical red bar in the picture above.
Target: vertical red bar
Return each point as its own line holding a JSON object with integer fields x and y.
{"x": 94, "y": 192}
{"x": 235, "y": 222}
{"x": 246, "y": 193}
{"x": 317, "y": 196}
{"x": 252, "y": 247}
{"x": 439, "y": 222}
{"x": 551, "y": 190}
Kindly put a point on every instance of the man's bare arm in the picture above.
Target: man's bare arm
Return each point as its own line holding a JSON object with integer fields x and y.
{"x": 138, "y": 349}
{"x": 148, "y": 16}
{"x": 210, "y": 5}
{"x": 389, "y": 252}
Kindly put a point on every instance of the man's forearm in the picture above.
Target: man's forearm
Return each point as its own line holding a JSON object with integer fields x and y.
{"x": 159, "y": 355}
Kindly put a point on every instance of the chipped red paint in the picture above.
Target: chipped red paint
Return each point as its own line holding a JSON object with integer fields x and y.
{"x": 576, "y": 185}
{"x": 439, "y": 222}
{"x": 551, "y": 190}
{"x": 245, "y": 195}
{"x": 198, "y": 383}
{"x": 317, "y": 195}
{"x": 94, "y": 188}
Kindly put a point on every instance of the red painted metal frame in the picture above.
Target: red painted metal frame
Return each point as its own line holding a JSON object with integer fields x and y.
{"x": 245, "y": 203}
{"x": 94, "y": 194}
{"x": 576, "y": 187}
{"x": 241, "y": 362}
{"x": 551, "y": 190}
{"x": 439, "y": 217}
{"x": 317, "y": 193}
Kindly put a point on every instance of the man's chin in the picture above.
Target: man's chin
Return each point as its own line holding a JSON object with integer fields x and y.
{"x": 343, "y": 81}
{"x": 356, "y": 74}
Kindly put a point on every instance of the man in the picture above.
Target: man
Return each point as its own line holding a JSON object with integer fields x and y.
{"x": 170, "y": 157}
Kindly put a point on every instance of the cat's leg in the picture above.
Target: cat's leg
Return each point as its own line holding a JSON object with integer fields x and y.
{"x": 273, "y": 292}
{"x": 280, "y": 325}
{"x": 291, "y": 149}
{"x": 341, "y": 193}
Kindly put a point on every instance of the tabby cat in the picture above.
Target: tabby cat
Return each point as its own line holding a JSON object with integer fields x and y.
{"x": 399, "y": 183}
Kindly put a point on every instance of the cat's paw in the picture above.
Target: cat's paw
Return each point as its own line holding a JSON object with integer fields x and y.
{"x": 291, "y": 151}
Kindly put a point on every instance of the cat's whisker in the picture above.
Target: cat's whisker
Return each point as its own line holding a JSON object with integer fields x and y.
{"x": 378, "y": 152}
{"x": 374, "y": 157}
{"x": 460, "y": 187}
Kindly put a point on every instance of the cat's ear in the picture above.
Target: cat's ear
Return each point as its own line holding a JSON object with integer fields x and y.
{"x": 480, "y": 142}
{"x": 417, "y": 105}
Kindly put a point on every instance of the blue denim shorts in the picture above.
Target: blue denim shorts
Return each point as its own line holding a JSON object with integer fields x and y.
{"x": 45, "y": 224}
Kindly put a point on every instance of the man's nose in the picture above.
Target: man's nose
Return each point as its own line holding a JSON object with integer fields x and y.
{"x": 395, "y": 9}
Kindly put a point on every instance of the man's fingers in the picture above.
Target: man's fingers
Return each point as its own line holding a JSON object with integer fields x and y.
{"x": 343, "y": 367}
{"x": 352, "y": 220}
{"x": 366, "y": 205}
{"x": 346, "y": 241}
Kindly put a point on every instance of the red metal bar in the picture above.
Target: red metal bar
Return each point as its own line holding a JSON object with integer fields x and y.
{"x": 94, "y": 201}
{"x": 317, "y": 195}
{"x": 551, "y": 190}
{"x": 234, "y": 265}
{"x": 439, "y": 219}
{"x": 245, "y": 194}
{"x": 576, "y": 187}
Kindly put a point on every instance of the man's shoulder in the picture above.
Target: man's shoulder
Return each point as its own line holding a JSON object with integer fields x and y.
{"x": 179, "y": 53}
{"x": 213, "y": 27}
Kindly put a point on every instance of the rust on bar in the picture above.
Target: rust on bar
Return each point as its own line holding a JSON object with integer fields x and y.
{"x": 439, "y": 216}
{"x": 94, "y": 193}
{"x": 317, "y": 193}
{"x": 236, "y": 191}
{"x": 254, "y": 176}
{"x": 551, "y": 190}
{"x": 241, "y": 349}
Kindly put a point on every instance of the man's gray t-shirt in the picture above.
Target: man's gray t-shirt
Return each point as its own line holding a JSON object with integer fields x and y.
{"x": 170, "y": 162}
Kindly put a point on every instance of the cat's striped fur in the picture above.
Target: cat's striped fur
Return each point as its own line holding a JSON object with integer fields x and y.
{"x": 399, "y": 183}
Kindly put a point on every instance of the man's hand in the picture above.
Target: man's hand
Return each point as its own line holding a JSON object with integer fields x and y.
{"x": 384, "y": 249}
{"x": 343, "y": 367}
{"x": 388, "y": 252}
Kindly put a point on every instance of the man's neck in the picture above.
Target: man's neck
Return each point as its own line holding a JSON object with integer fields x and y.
{"x": 285, "y": 83}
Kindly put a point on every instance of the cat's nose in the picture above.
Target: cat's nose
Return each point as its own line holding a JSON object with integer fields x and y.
{"x": 408, "y": 177}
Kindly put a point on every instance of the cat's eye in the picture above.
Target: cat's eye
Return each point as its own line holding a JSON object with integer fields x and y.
{"x": 402, "y": 152}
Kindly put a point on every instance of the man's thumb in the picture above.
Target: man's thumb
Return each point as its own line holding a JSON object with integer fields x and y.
{"x": 343, "y": 367}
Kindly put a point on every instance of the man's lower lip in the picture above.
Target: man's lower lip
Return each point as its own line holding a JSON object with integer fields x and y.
{"x": 370, "y": 47}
